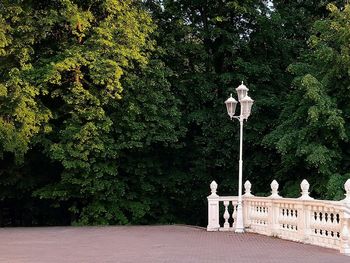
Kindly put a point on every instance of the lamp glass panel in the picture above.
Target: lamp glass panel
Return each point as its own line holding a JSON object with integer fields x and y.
{"x": 246, "y": 108}
{"x": 231, "y": 108}
{"x": 241, "y": 93}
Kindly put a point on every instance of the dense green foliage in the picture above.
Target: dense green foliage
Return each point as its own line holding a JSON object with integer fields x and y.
{"x": 313, "y": 130}
{"x": 111, "y": 112}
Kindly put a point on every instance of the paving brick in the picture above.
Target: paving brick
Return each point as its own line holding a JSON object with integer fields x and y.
{"x": 152, "y": 244}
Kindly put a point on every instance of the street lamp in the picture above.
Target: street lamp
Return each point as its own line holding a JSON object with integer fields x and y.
{"x": 246, "y": 106}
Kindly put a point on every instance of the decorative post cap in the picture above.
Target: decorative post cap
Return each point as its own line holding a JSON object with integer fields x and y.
{"x": 347, "y": 186}
{"x": 247, "y": 188}
{"x": 305, "y": 186}
{"x": 347, "y": 189}
{"x": 274, "y": 185}
{"x": 213, "y": 188}
{"x": 274, "y": 189}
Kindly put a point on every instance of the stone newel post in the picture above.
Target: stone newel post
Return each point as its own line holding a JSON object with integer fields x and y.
{"x": 213, "y": 208}
{"x": 347, "y": 195}
{"x": 246, "y": 206}
{"x": 273, "y": 215}
{"x": 304, "y": 212}
{"x": 345, "y": 235}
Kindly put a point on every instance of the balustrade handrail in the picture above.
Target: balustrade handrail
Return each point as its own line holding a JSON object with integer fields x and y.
{"x": 228, "y": 198}
{"x": 289, "y": 200}
{"x": 319, "y": 222}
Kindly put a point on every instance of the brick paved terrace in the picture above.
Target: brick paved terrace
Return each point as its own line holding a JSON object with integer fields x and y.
{"x": 152, "y": 244}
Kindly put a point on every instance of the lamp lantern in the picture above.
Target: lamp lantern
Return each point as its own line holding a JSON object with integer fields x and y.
{"x": 246, "y": 104}
{"x": 231, "y": 104}
{"x": 242, "y": 91}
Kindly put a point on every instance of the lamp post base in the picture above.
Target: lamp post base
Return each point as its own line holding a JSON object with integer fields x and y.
{"x": 239, "y": 219}
{"x": 241, "y": 230}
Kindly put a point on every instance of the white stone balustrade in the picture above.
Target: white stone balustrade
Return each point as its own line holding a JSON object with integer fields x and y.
{"x": 304, "y": 219}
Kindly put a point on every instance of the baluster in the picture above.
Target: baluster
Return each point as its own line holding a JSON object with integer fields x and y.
{"x": 291, "y": 219}
{"x": 256, "y": 214}
{"x": 327, "y": 226}
{"x": 322, "y": 226}
{"x": 317, "y": 218}
{"x": 280, "y": 217}
{"x": 234, "y": 212}
{"x": 285, "y": 217}
{"x": 314, "y": 221}
{"x": 226, "y": 215}
{"x": 313, "y": 217}
{"x": 252, "y": 212}
{"x": 323, "y": 222}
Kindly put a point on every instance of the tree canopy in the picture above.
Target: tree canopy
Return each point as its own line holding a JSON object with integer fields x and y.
{"x": 111, "y": 112}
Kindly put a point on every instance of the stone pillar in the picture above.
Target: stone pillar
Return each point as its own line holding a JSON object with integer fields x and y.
{"x": 213, "y": 208}
{"x": 304, "y": 213}
{"x": 246, "y": 204}
{"x": 345, "y": 235}
{"x": 273, "y": 212}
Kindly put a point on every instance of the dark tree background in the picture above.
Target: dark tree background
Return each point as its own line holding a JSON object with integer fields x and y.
{"x": 111, "y": 112}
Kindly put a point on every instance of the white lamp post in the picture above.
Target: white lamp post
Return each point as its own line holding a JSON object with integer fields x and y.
{"x": 246, "y": 106}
